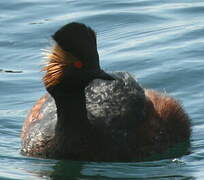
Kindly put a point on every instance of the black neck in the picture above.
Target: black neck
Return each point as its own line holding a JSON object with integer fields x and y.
{"x": 71, "y": 112}
{"x": 72, "y": 130}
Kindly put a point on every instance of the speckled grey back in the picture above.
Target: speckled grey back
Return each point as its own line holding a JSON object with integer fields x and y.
{"x": 115, "y": 103}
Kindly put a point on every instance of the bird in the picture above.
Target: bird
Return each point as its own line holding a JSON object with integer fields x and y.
{"x": 88, "y": 114}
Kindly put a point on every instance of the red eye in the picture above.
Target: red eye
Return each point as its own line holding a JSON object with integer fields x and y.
{"x": 78, "y": 64}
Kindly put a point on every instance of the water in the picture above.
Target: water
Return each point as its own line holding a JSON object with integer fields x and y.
{"x": 160, "y": 42}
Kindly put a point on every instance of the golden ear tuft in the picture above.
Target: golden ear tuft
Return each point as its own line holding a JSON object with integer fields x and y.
{"x": 58, "y": 59}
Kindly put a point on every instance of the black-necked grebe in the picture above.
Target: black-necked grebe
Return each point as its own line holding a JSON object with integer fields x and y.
{"x": 91, "y": 115}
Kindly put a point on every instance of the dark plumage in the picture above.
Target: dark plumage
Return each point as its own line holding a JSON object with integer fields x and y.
{"x": 91, "y": 115}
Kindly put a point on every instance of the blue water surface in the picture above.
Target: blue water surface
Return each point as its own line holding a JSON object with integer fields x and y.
{"x": 160, "y": 42}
